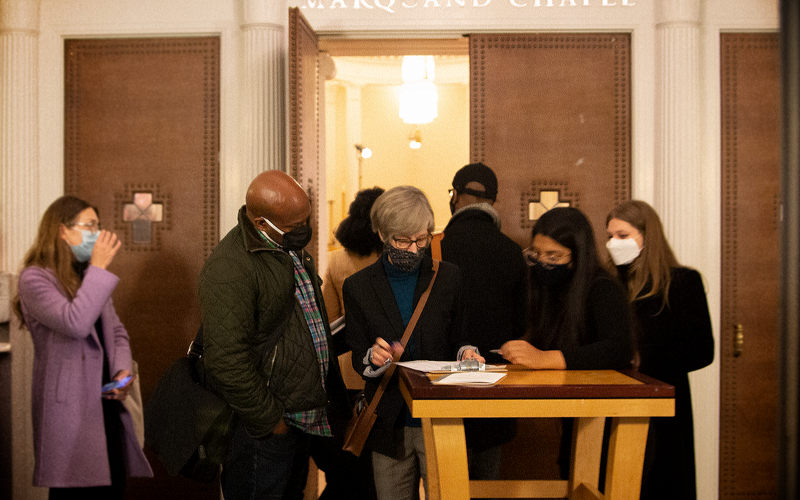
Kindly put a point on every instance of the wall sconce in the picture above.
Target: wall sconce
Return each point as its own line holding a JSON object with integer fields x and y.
{"x": 363, "y": 151}
{"x": 415, "y": 139}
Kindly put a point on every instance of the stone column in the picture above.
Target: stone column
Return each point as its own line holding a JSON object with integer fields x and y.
{"x": 678, "y": 182}
{"x": 264, "y": 87}
{"x": 19, "y": 130}
{"x": 682, "y": 193}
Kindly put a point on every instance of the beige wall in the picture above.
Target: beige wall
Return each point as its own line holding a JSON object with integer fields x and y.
{"x": 445, "y": 145}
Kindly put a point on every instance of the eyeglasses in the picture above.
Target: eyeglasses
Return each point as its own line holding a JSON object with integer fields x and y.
{"x": 547, "y": 260}
{"x": 405, "y": 243}
{"x": 92, "y": 227}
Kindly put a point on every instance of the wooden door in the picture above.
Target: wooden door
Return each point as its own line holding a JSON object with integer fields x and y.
{"x": 751, "y": 206}
{"x": 142, "y": 143}
{"x": 304, "y": 116}
{"x": 304, "y": 133}
{"x": 550, "y": 114}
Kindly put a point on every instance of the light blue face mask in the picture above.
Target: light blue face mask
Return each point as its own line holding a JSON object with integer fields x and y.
{"x": 83, "y": 252}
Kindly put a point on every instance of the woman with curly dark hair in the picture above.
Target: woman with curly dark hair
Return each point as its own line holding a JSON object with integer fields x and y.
{"x": 362, "y": 247}
{"x": 346, "y": 475}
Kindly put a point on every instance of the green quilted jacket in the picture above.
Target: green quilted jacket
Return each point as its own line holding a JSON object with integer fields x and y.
{"x": 258, "y": 351}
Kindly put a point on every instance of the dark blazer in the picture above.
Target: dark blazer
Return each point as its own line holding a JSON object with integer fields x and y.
{"x": 673, "y": 340}
{"x": 493, "y": 276}
{"x": 372, "y": 312}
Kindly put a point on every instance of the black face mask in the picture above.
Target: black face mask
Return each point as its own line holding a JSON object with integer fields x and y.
{"x": 552, "y": 275}
{"x": 452, "y": 206}
{"x": 293, "y": 240}
{"x": 297, "y": 238}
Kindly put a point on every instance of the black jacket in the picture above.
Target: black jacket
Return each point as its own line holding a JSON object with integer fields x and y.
{"x": 607, "y": 338}
{"x": 673, "y": 341}
{"x": 372, "y": 312}
{"x": 493, "y": 280}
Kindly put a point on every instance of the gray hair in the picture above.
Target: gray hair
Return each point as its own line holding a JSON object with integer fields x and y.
{"x": 401, "y": 211}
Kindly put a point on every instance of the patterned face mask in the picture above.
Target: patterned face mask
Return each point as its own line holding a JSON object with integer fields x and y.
{"x": 404, "y": 260}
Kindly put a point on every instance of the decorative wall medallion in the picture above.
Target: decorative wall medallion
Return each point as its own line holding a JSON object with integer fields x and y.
{"x": 142, "y": 212}
{"x": 544, "y": 196}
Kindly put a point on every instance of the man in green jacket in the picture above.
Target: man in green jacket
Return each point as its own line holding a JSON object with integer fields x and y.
{"x": 267, "y": 343}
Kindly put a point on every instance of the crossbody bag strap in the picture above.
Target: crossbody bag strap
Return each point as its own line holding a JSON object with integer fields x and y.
{"x": 387, "y": 375}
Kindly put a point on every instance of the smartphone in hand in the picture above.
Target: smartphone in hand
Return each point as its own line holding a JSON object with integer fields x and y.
{"x": 115, "y": 384}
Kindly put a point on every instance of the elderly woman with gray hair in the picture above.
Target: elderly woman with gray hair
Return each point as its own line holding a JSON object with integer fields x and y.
{"x": 380, "y": 301}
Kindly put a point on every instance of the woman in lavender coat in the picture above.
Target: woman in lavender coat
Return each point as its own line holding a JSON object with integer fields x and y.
{"x": 84, "y": 441}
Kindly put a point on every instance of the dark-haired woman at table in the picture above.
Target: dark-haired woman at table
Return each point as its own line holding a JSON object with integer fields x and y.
{"x": 579, "y": 317}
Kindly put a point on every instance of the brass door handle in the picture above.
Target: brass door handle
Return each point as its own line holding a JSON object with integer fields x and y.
{"x": 738, "y": 340}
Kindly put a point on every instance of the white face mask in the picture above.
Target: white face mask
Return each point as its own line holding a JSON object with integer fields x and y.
{"x": 623, "y": 251}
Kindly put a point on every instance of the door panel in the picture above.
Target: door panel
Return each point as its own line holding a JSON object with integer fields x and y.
{"x": 141, "y": 143}
{"x": 550, "y": 113}
{"x": 750, "y": 263}
{"x": 304, "y": 133}
{"x": 304, "y": 154}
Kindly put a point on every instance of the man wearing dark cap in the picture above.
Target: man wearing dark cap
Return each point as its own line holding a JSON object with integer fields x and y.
{"x": 267, "y": 343}
{"x": 493, "y": 272}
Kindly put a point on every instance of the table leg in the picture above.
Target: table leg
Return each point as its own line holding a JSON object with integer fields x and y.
{"x": 446, "y": 457}
{"x": 587, "y": 449}
{"x": 626, "y": 457}
{"x": 430, "y": 459}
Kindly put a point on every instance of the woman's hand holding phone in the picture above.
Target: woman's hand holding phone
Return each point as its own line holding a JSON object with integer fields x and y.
{"x": 119, "y": 387}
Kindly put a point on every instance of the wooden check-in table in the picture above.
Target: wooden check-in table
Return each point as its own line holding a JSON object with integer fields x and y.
{"x": 588, "y": 396}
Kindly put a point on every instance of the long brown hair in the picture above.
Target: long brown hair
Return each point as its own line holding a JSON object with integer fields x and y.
{"x": 49, "y": 249}
{"x": 653, "y": 266}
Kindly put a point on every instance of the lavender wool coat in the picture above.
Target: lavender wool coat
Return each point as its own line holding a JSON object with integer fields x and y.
{"x": 68, "y": 430}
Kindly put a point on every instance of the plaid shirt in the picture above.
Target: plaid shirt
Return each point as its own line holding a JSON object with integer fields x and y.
{"x": 312, "y": 421}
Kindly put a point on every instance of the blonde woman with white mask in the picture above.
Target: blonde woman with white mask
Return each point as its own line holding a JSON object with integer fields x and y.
{"x": 673, "y": 332}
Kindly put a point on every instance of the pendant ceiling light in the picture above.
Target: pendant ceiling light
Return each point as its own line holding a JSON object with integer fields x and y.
{"x": 418, "y": 96}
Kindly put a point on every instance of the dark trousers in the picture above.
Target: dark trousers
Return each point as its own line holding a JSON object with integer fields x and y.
{"x": 275, "y": 467}
{"x": 347, "y": 476}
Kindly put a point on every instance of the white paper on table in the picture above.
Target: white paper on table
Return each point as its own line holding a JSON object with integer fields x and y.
{"x": 443, "y": 366}
{"x": 470, "y": 378}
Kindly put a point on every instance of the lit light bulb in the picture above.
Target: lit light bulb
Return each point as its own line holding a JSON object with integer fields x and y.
{"x": 366, "y": 153}
{"x": 415, "y": 139}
